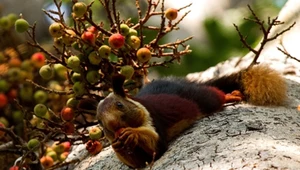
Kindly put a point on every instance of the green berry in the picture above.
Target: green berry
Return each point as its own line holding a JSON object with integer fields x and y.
{"x": 40, "y": 110}
{"x": 79, "y": 88}
{"x": 46, "y": 72}
{"x": 79, "y": 9}
{"x": 134, "y": 42}
{"x": 104, "y": 51}
{"x": 76, "y": 77}
{"x": 33, "y": 143}
{"x": 132, "y": 32}
{"x": 73, "y": 62}
{"x": 56, "y": 29}
{"x": 5, "y": 23}
{"x": 127, "y": 71}
{"x": 95, "y": 133}
{"x": 21, "y": 25}
{"x": 4, "y": 85}
{"x": 124, "y": 29}
{"x": 40, "y": 96}
{"x": 93, "y": 76}
{"x": 72, "y": 102}
{"x": 94, "y": 58}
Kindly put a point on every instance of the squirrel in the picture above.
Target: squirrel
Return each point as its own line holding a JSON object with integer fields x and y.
{"x": 140, "y": 128}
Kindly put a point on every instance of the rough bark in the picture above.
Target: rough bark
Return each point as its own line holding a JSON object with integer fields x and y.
{"x": 242, "y": 136}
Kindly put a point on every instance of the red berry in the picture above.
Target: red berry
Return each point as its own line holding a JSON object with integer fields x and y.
{"x": 38, "y": 59}
{"x": 67, "y": 114}
{"x": 116, "y": 41}
{"x": 15, "y": 167}
{"x": 3, "y": 100}
{"x": 94, "y": 147}
{"x": 69, "y": 128}
{"x": 89, "y": 37}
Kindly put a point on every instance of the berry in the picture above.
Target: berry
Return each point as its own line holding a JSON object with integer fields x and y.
{"x": 89, "y": 37}
{"x": 17, "y": 116}
{"x": 67, "y": 114}
{"x": 46, "y": 72}
{"x": 26, "y": 93}
{"x": 4, "y": 86}
{"x": 127, "y": 71}
{"x": 79, "y": 9}
{"x": 72, "y": 102}
{"x": 171, "y": 13}
{"x": 58, "y": 147}
{"x": 3, "y": 100}
{"x": 75, "y": 77}
{"x": 104, "y": 51}
{"x": 15, "y": 167}
{"x": 95, "y": 133}
{"x": 124, "y": 29}
{"x": 69, "y": 37}
{"x": 94, "y": 58}
{"x": 134, "y": 42}
{"x": 52, "y": 154}
{"x": 93, "y": 147}
{"x": 79, "y": 88}
{"x": 40, "y": 110}
{"x": 63, "y": 156}
{"x": 14, "y": 62}
{"x": 66, "y": 145}
{"x": 73, "y": 62}
{"x": 69, "y": 128}
{"x": 21, "y": 25}
{"x": 14, "y": 74}
{"x": 92, "y": 29}
{"x": 116, "y": 41}
{"x": 60, "y": 70}
{"x": 40, "y": 96}
{"x": 58, "y": 42}
{"x": 132, "y": 32}
{"x": 5, "y": 23}
{"x": 56, "y": 29}
{"x": 33, "y": 143}
{"x": 143, "y": 55}
{"x": 38, "y": 59}
{"x": 93, "y": 76}
{"x": 46, "y": 161}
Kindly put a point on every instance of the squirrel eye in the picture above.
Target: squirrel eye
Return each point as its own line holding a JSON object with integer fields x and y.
{"x": 119, "y": 105}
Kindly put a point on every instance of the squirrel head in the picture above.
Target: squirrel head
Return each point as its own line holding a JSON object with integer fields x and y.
{"x": 119, "y": 111}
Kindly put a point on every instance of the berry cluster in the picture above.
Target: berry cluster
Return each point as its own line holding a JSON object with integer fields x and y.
{"x": 86, "y": 55}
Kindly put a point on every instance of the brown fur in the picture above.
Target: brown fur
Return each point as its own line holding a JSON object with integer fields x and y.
{"x": 263, "y": 86}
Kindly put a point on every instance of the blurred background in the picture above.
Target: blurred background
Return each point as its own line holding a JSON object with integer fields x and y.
{"x": 209, "y": 22}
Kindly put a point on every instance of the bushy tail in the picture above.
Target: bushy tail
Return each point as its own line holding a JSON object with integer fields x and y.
{"x": 260, "y": 85}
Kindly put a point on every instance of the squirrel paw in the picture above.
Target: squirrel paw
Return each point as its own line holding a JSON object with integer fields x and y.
{"x": 128, "y": 138}
{"x": 234, "y": 96}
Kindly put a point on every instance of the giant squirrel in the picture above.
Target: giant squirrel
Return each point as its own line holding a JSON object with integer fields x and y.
{"x": 140, "y": 128}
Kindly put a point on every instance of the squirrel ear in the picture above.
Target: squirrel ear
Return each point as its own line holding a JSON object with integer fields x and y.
{"x": 117, "y": 84}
